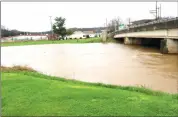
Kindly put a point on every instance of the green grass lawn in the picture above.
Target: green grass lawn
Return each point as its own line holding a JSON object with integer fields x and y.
{"x": 19, "y": 43}
{"x": 27, "y": 93}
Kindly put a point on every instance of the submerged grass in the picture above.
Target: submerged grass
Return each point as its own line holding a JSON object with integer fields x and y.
{"x": 16, "y": 68}
{"x": 26, "y": 92}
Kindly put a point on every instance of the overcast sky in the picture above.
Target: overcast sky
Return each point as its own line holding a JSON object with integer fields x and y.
{"x": 34, "y": 16}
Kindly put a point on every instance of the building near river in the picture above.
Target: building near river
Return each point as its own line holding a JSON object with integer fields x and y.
{"x": 90, "y": 33}
{"x": 24, "y": 38}
{"x": 83, "y": 34}
{"x": 77, "y": 35}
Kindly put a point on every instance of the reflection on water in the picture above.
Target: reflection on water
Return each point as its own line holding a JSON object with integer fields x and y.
{"x": 106, "y": 63}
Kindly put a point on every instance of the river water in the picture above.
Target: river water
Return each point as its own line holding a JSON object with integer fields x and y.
{"x": 116, "y": 64}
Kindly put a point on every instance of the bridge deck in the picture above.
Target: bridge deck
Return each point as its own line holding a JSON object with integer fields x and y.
{"x": 170, "y": 33}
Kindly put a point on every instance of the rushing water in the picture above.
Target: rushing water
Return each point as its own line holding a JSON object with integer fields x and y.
{"x": 106, "y": 63}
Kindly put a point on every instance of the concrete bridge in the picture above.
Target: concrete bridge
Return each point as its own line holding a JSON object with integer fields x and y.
{"x": 163, "y": 33}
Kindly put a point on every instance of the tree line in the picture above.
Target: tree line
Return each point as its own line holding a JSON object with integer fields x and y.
{"x": 5, "y": 32}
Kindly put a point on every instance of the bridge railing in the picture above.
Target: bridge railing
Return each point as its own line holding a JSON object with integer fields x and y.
{"x": 153, "y": 24}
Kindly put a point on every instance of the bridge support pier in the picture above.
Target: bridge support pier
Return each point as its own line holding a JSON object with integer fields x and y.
{"x": 169, "y": 46}
{"x": 127, "y": 40}
{"x": 134, "y": 41}
{"x": 104, "y": 36}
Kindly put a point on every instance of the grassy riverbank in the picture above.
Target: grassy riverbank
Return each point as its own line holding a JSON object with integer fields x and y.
{"x": 28, "y": 93}
{"x": 37, "y": 42}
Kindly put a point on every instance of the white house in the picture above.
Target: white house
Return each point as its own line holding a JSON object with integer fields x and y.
{"x": 90, "y": 33}
{"x": 77, "y": 35}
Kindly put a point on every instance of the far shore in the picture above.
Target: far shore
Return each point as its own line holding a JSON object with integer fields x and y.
{"x": 38, "y": 42}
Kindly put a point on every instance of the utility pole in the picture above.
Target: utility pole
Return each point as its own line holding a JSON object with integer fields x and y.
{"x": 115, "y": 25}
{"x": 129, "y": 22}
{"x": 156, "y": 11}
{"x": 177, "y": 14}
{"x": 160, "y": 10}
{"x": 106, "y": 21}
{"x": 118, "y": 20}
{"x": 177, "y": 8}
{"x": 51, "y": 25}
{"x": 106, "y": 24}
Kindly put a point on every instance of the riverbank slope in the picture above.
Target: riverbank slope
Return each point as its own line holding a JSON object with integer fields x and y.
{"x": 28, "y": 93}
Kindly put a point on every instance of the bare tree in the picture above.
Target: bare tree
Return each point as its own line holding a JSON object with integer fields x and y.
{"x": 128, "y": 24}
{"x": 3, "y": 27}
{"x": 114, "y": 24}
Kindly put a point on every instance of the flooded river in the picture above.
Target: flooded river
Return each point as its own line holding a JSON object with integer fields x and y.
{"x": 116, "y": 64}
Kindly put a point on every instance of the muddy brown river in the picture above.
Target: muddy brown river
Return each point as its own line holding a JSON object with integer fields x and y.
{"x": 116, "y": 64}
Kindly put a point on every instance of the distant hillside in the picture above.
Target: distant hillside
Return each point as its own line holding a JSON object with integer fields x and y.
{"x": 96, "y": 29}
